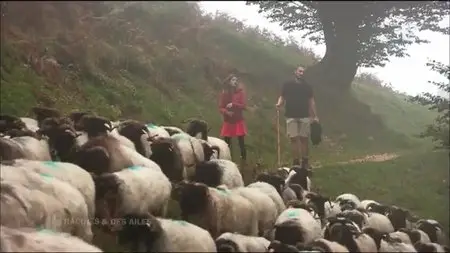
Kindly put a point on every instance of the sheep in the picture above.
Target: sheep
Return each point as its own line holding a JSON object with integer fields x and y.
{"x": 363, "y": 218}
{"x": 413, "y": 235}
{"x": 67, "y": 172}
{"x": 41, "y": 240}
{"x": 218, "y": 171}
{"x": 296, "y": 225}
{"x": 137, "y": 133}
{"x": 191, "y": 151}
{"x": 152, "y": 234}
{"x": 385, "y": 243}
{"x": 433, "y": 229}
{"x": 157, "y": 130}
{"x": 234, "y": 242}
{"x": 276, "y": 246}
{"x": 223, "y": 150}
{"x": 44, "y": 112}
{"x": 348, "y": 234}
{"x": 166, "y": 153}
{"x": 430, "y": 247}
{"x": 263, "y": 204}
{"x": 348, "y": 197}
{"x": 173, "y": 130}
{"x": 365, "y": 204}
{"x": 134, "y": 190}
{"x": 106, "y": 154}
{"x": 399, "y": 217}
{"x": 287, "y": 192}
{"x": 299, "y": 175}
{"x": 8, "y": 122}
{"x": 216, "y": 210}
{"x": 325, "y": 208}
{"x": 272, "y": 192}
{"x": 26, "y": 145}
{"x": 322, "y": 245}
{"x": 73, "y": 201}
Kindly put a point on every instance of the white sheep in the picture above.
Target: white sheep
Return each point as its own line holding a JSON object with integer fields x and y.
{"x": 217, "y": 172}
{"x": 157, "y": 131}
{"x": 191, "y": 151}
{"x": 67, "y": 172}
{"x": 31, "y": 124}
{"x": 72, "y": 200}
{"x": 348, "y": 197}
{"x": 265, "y": 207}
{"x": 152, "y": 234}
{"x": 345, "y": 232}
{"x": 217, "y": 209}
{"x": 296, "y": 225}
{"x": 365, "y": 203}
{"x": 434, "y": 230}
{"x": 136, "y": 190}
{"x": 26, "y": 147}
{"x": 41, "y": 240}
{"x": 235, "y": 242}
{"x": 412, "y": 234}
{"x": 173, "y": 130}
{"x": 385, "y": 243}
{"x": 224, "y": 149}
{"x": 272, "y": 192}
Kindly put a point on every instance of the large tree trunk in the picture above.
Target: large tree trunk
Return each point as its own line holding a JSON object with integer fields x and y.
{"x": 339, "y": 65}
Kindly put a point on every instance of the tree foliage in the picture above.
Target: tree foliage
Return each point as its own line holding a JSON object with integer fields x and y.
{"x": 359, "y": 34}
{"x": 439, "y": 131}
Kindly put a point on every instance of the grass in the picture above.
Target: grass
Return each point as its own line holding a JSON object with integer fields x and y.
{"x": 417, "y": 181}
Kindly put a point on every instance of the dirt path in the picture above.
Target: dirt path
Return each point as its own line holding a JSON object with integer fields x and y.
{"x": 368, "y": 158}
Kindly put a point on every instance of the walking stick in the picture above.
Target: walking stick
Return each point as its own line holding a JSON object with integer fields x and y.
{"x": 278, "y": 138}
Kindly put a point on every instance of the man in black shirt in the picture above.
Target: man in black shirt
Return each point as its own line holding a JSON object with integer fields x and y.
{"x": 300, "y": 111}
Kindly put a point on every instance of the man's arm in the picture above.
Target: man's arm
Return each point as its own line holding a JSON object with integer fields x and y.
{"x": 281, "y": 99}
{"x": 312, "y": 104}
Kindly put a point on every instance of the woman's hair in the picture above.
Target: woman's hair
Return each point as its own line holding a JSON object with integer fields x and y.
{"x": 226, "y": 82}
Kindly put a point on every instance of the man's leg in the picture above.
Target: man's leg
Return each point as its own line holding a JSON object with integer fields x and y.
{"x": 304, "y": 132}
{"x": 292, "y": 130}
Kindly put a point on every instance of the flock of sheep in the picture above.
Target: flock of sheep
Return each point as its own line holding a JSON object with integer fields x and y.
{"x": 61, "y": 175}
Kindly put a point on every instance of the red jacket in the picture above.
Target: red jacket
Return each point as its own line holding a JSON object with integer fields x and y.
{"x": 237, "y": 98}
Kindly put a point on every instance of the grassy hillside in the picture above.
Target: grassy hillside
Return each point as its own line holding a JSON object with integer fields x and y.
{"x": 163, "y": 62}
{"x": 416, "y": 181}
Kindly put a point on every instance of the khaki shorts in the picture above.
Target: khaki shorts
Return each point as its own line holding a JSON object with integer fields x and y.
{"x": 298, "y": 127}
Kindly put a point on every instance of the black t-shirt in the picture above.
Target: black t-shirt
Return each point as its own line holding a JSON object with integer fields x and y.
{"x": 296, "y": 94}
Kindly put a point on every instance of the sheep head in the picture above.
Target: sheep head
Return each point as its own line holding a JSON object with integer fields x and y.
{"x": 9, "y": 122}
{"x": 278, "y": 247}
{"x": 354, "y": 215}
{"x": 318, "y": 201}
{"x": 95, "y": 126}
{"x": 76, "y": 118}
{"x": 398, "y": 216}
{"x": 300, "y": 177}
{"x": 44, "y": 112}
{"x": 377, "y": 208}
{"x": 208, "y": 150}
{"x": 196, "y": 126}
{"x": 208, "y": 173}
{"x": 194, "y": 198}
{"x": 23, "y": 132}
{"x": 430, "y": 228}
{"x": 226, "y": 245}
{"x": 167, "y": 155}
{"x": 108, "y": 199}
{"x": 272, "y": 179}
{"x": 139, "y": 231}
{"x": 341, "y": 230}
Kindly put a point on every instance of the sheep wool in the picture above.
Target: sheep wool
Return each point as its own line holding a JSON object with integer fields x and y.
{"x": 171, "y": 130}
{"x": 66, "y": 172}
{"x": 349, "y": 197}
{"x": 23, "y": 206}
{"x": 73, "y": 201}
{"x": 225, "y": 152}
{"x": 31, "y": 124}
{"x": 139, "y": 190}
{"x": 191, "y": 151}
{"x": 33, "y": 148}
{"x": 327, "y": 246}
{"x": 41, "y": 240}
{"x": 296, "y": 225}
{"x": 364, "y": 203}
{"x": 241, "y": 243}
{"x": 272, "y": 192}
{"x": 217, "y": 172}
{"x": 157, "y": 131}
{"x": 265, "y": 207}
{"x": 217, "y": 210}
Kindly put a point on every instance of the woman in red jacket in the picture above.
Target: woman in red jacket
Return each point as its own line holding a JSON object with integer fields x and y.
{"x": 232, "y": 102}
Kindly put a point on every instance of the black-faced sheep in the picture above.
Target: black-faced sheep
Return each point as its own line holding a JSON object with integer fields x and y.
{"x": 385, "y": 243}
{"x": 299, "y": 175}
{"x": 157, "y": 131}
{"x": 287, "y": 192}
{"x": 152, "y": 234}
{"x": 173, "y": 130}
{"x": 191, "y": 151}
{"x": 41, "y": 240}
{"x": 412, "y": 234}
{"x": 9, "y": 122}
{"x": 138, "y": 133}
{"x": 135, "y": 190}
{"x": 296, "y": 225}
{"x": 217, "y": 210}
{"x": 430, "y": 247}
{"x": 363, "y": 218}
{"x": 234, "y": 242}
{"x": 66, "y": 172}
{"x": 24, "y": 144}
{"x": 276, "y": 246}
{"x": 73, "y": 201}
{"x": 62, "y": 138}
{"x": 348, "y": 234}
{"x": 218, "y": 172}
{"x": 45, "y": 112}
{"x": 167, "y": 155}
{"x": 434, "y": 230}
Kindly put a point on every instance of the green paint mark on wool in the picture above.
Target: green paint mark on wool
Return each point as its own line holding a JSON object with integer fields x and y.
{"x": 41, "y": 229}
{"x": 151, "y": 125}
{"x": 180, "y": 136}
{"x": 51, "y": 164}
{"x": 181, "y": 222}
{"x": 135, "y": 167}
{"x": 222, "y": 191}
{"x": 293, "y": 213}
{"x": 45, "y": 175}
